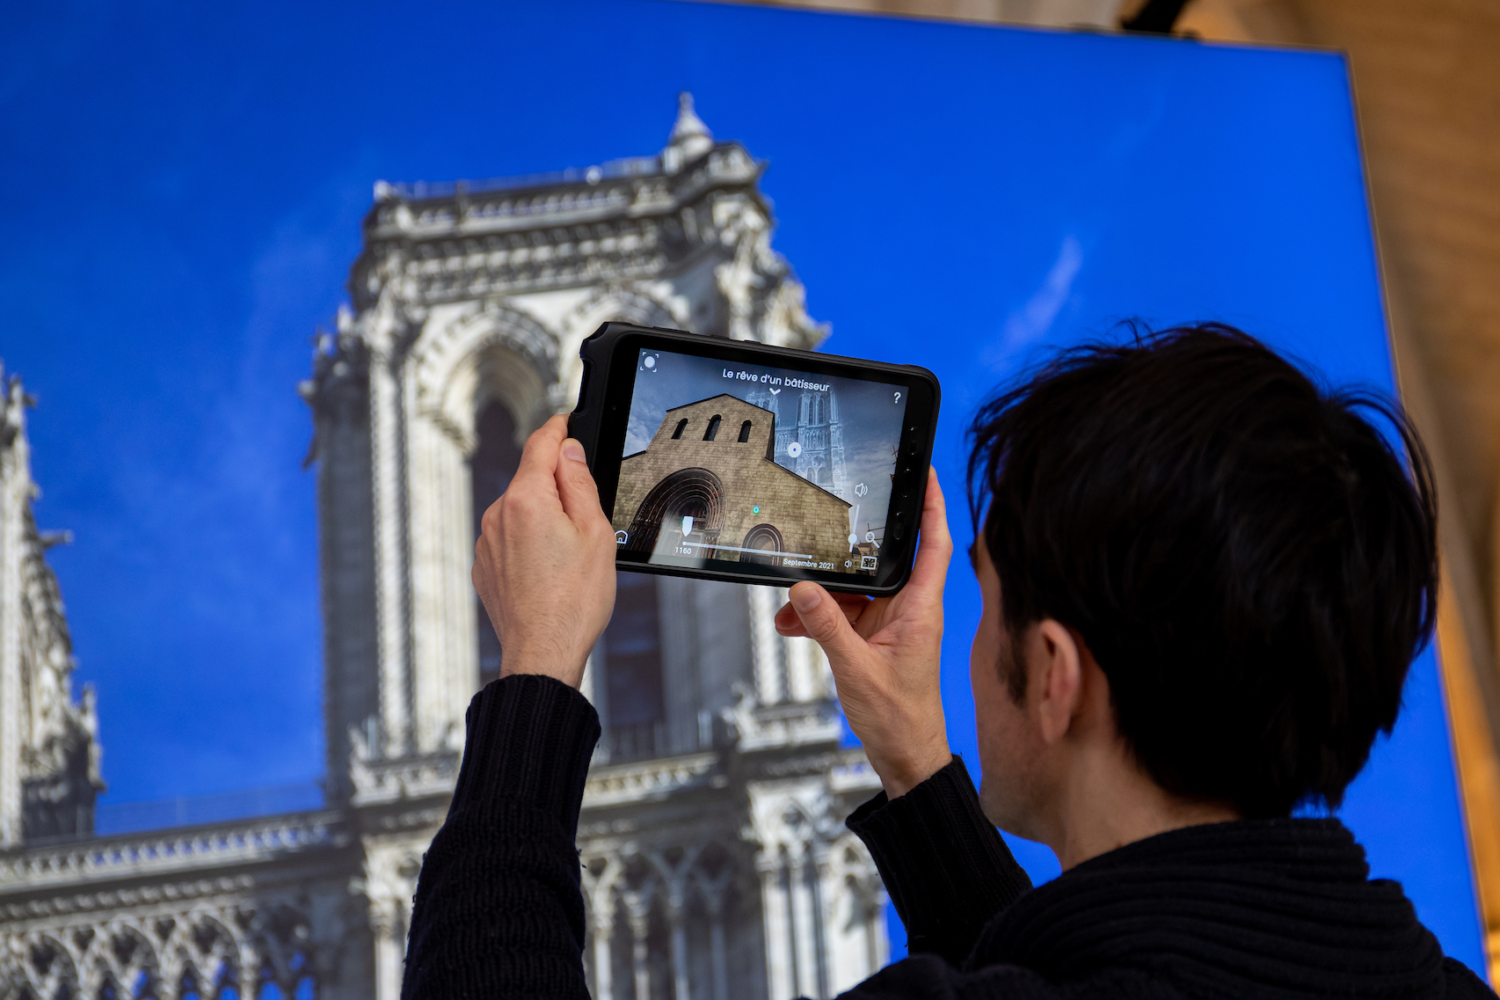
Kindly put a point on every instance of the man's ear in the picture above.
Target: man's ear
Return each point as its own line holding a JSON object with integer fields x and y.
{"x": 1057, "y": 672}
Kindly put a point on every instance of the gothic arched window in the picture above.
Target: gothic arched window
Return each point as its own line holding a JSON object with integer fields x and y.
{"x": 495, "y": 460}
{"x": 681, "y": 426}
{"x": 632, "y": 668}
{"x": 744, "y": 432}
{"x": 713, "y": 428}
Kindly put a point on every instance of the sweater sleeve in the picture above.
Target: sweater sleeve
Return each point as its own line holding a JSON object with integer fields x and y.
{"x": 498, "y": 910}
{"x": 944, "y": 864}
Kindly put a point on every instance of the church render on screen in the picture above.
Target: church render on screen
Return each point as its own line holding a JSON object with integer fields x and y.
{"x": 715, "y": 861}
{"x": 714, "y": 460}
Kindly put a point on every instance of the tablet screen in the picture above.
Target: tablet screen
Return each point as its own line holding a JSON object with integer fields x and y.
{"x": 725, "y": 462}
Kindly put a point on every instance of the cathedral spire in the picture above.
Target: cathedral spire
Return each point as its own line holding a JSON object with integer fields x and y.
{"x": 690, "y": 138}
{"x": 49, "y": 752}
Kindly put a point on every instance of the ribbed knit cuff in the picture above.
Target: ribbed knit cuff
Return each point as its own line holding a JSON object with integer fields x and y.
{"x": 944, "y": 864}
{"x": 530, "y": 740}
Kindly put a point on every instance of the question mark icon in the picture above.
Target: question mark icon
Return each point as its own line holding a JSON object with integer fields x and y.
{"x": 898, "y": 397}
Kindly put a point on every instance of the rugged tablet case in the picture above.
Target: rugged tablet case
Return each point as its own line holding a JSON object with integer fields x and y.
{"x": 586, "y": 422}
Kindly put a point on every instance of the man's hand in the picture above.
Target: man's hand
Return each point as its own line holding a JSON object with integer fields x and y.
{"x": 544, "y": 564}
{"x": 885, "y": 654}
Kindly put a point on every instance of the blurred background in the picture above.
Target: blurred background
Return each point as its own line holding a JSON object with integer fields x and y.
{"x": 285, "y": 286}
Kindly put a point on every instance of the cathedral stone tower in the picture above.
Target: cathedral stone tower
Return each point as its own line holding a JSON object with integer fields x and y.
{"x": 809, "y": 436}
{"x": 716, "y": 863}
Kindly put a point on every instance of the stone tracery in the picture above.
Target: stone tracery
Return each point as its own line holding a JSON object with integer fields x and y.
{"x": 210, "y": 952}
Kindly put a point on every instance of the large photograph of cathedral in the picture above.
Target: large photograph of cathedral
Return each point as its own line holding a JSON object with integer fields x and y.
{"x": 287, "y": 291}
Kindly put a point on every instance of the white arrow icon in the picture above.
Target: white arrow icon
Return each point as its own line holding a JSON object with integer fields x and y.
{"x": 687, "y": 526}
{"x": 775, "y": 392}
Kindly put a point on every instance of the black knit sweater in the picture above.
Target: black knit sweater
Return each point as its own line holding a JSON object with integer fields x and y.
{"x": 1270, "y": 908}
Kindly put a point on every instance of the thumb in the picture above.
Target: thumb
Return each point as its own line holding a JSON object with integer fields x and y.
{"x": 825, "y": 621}
{"x": 575, "y": 486}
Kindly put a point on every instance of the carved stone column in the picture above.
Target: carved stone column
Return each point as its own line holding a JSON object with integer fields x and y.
{"x": 713, "y": 899}
{"x": 679, "y": 942}
{"x": 388, "y": 461}
{"x": 854, "y": 913}
{"x": 780, "y": 958}
{"x": 806, "y": 921}
{"x": 820, "y": 898}
{"x": 388, "y": 933}
{"x": 339, "y": 396}
{"x": 801, "y": 669}
{"x": 638, "y": 913}
{"x": 603, "y": 957}
{"x": 766, "y": 644}
{"x": 445, "y": 655}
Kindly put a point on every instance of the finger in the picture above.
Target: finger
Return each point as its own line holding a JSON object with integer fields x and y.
{"x": 853, "y": 605}
{"x": 792, "y": 627}
{"x": 825, "y": 622}
{"x": 539, "y": 457}
{"x": 787, "y": 622}
{"x": 575, "y": 485}
{"x": 936, "y": 546}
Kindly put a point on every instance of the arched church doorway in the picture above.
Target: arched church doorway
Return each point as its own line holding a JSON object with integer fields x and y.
{"x": 695, "y": 493}
{"x": 494, "y": 462}
{"x": 766, "y": 541}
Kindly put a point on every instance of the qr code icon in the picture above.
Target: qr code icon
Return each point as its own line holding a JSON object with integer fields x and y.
{"x": 867, "y": 562}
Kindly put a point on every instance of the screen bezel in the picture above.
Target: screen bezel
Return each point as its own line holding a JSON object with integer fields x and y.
{"x": 908, "y": 490}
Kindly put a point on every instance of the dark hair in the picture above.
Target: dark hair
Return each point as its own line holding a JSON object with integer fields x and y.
{"x": 1245, "y": 555}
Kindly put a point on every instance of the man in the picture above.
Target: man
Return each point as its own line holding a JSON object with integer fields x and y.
{"x": 1204, "y": 580}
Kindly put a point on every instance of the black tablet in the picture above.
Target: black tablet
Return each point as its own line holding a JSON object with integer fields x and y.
{"x": 732, "y": 460}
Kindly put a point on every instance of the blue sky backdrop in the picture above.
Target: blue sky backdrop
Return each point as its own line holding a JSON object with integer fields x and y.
{"x": 184, "y": 188}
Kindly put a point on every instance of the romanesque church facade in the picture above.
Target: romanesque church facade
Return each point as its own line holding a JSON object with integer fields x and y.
{"x": 723, "y": 496}
{"x": 716, "y": 865}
